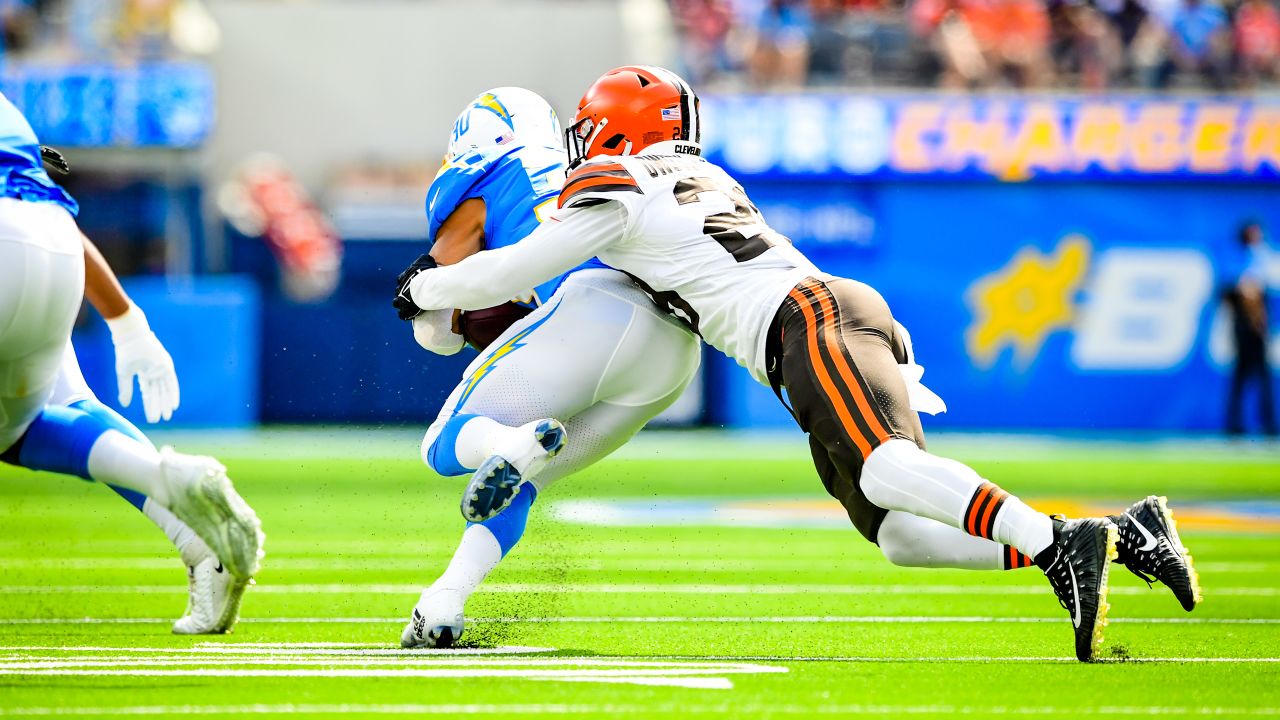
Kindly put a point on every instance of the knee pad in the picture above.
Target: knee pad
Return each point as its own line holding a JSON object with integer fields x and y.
{"x": 882, "y": 465}
{"x": 59, "y": 440}
{"x": 438, "y": 450}
{"x": 111, "y": 419}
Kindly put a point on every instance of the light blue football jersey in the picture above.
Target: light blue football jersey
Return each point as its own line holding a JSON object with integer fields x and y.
{"x": 519, "y": 185}
{"x": 22, "y": 174}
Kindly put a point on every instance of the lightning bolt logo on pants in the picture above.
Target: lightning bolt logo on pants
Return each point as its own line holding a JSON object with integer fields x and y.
{"x": 515, "y": 342}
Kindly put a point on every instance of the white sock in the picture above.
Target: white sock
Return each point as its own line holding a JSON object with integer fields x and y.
{"x": 118, "y": 459}
{"x": 189, "y": 544}
{"x": 1019, "y": 525}
{"x": 480, "y": 438}
{"x": 900, "y": 476}
{"x": 914, "y": 541}
{"x": 478, "y": 553}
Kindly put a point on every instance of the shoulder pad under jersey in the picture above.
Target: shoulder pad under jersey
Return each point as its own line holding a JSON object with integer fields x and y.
{"x": 596, "y": 181}
{"x": 454, "y": 181}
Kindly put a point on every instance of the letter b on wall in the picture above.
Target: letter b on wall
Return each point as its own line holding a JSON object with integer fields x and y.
{"x": 1143, "y": 310}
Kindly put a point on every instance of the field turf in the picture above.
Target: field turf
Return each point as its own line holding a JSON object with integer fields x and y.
{"x": 751, "y": 599}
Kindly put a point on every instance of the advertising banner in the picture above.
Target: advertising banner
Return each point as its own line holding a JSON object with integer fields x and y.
{"x": 150, "y": 105}
{"x": 1011, "y": 139}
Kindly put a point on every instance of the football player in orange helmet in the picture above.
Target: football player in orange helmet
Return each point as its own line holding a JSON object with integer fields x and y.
{"x": 642, "y": 199}
{"x": 629, "y": 109}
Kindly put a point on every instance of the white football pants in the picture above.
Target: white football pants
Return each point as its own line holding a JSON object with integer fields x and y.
{"x": 601, "y": 358}
{"x": 41, "y": 287}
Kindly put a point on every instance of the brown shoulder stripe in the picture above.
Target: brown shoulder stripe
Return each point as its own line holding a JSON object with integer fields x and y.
{"x": 604, "y": 179}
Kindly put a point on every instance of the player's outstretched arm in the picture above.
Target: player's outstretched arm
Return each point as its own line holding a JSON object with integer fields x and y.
{"x": 139, "y": 352}
{"x": 568, "y": 238}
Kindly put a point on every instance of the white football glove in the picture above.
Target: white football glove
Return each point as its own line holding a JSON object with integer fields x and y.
{"x": 140, "y": 354}
{"x": 433, "y": 329}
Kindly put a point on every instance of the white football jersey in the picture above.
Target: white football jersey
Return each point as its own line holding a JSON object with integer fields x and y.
{"x": 696, "y": 244}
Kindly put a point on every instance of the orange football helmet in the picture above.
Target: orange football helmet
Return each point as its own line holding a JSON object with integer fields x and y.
{"x": 630, "y": 108}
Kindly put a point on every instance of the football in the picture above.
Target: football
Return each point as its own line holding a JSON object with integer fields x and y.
{"x": 482, "y": 327}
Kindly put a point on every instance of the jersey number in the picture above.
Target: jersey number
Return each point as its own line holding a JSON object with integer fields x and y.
{"x": 726, "y": 227}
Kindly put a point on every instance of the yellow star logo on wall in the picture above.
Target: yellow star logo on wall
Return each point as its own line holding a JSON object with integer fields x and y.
{"x": 1020, "y": 304}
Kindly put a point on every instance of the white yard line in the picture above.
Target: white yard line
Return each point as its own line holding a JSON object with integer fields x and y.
{"x": 707, "y": 679}
{"x": 614, "y": 589}
{"x": 42, "y": 660}
{"x": 734, "y": 709}
{"x": 414, "y": 562}
{"x": 590, "y": 665}
{"x": 798, "y": 619}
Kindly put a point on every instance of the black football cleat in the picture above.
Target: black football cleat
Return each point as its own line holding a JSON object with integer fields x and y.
{"x": 1150, "y": 547}
{"x": 1077, "y": 565}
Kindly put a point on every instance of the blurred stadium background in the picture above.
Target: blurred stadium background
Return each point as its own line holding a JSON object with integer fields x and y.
{"x": 1049, "y": 192}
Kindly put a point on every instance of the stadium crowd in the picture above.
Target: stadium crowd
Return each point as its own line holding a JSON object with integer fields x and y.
{"x": 973, "y": 44}
{"x": 57, "y": 31}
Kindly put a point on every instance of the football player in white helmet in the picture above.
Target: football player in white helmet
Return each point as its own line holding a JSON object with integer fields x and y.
{"x": 583, "y": 354}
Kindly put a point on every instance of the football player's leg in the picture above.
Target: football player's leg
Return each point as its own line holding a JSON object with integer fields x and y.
{"x": 72, "y": 391}
{"x": 196, "y": 489}
{"x": 606, "y": 356}
{"x": 214, "y": 596}
{"x": 869, "y": 419}
{"x": 522, "y": 381}
{"x": 40, "y": 290}
{"x": 913, "y": 541}
{"x": 634, "y": 386}
{"x": 849, "y": 391}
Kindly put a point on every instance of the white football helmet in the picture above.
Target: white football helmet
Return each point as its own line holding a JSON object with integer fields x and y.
{"x": 504, "y": 115}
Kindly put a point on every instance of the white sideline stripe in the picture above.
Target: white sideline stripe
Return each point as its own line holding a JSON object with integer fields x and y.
{"x": 686, "y": 709}
{"x": 619, "y": 675}
{"x": 984, "y": 660}
{"x": 299, "y": 649}
{"x": 124, "y": 666}
{"x": 802, "y": 619}
{"x": 618, "y": 588}
{"x": 590, "y": 665}
{"x": 583, "y": 564}
{"x": 425, "y": 658}
{"x": 285, "y": 654}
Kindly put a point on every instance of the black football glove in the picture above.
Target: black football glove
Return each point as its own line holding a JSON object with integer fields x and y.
{"x": 403, "y": 303}
{"x": 54, "y": 160}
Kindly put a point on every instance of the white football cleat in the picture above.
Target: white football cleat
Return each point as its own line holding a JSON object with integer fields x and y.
{"x": 437, "y": 620}
{"x": 213, "y": 601}
{"x": 201, "y": 495}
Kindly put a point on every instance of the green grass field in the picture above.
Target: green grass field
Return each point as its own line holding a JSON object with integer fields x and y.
{"x": 750, "y": 600}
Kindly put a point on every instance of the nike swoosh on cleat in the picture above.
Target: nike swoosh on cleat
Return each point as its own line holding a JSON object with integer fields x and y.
{"x": 1150, "y": 540}
{"x": 219, "y": 568}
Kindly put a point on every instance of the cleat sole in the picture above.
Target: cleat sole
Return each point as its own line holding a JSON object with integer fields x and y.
{"x": 1104, "y": 591}
{"x": 550, "y": 435}
{"x": 243, "y": 534}
{"x": 1167, "y": 515}
{"x": 492, "y": 488}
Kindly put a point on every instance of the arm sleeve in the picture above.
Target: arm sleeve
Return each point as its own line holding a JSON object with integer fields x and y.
{"x": 568, "y": 238}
